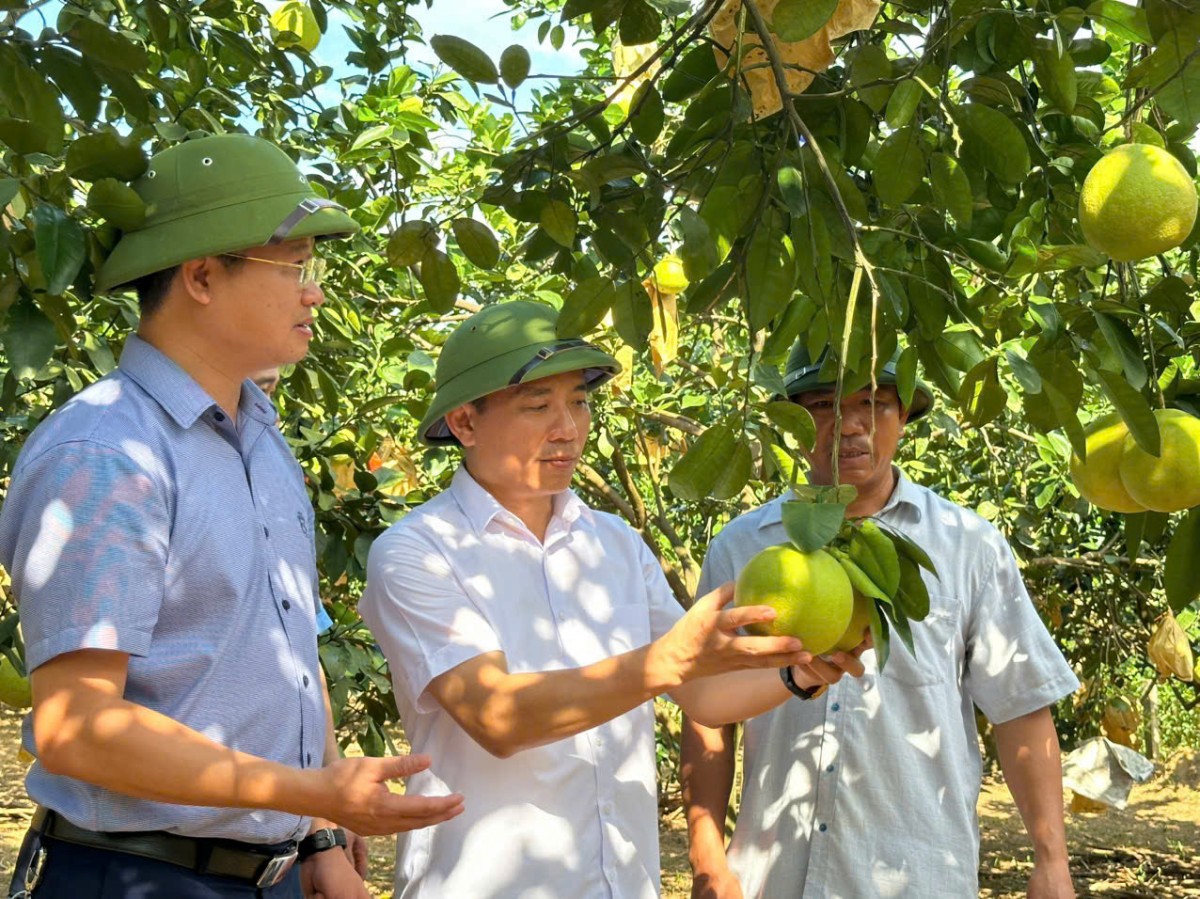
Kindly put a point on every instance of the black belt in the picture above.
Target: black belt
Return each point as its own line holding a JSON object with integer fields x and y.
{"x": 262, "y": 866}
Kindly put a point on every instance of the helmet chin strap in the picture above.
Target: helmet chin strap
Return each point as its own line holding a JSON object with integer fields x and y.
{"x": 302, "y": 211}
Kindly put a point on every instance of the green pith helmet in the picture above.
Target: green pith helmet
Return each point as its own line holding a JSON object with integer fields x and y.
{"x": 803, "y": 375}
{"x": 218, "y": 194}
{"x": 501, "y": 346}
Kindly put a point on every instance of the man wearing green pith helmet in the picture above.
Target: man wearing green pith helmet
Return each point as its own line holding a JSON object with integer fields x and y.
{"x": 160, "y": 542}
{"x": 526, "y": 634}
{"x": 869, "y": 791}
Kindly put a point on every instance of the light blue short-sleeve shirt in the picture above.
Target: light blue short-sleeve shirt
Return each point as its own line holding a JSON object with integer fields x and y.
{"x": 141, "y": 519}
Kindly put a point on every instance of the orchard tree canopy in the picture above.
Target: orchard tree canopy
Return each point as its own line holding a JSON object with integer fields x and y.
{"x": 871, "y": 178}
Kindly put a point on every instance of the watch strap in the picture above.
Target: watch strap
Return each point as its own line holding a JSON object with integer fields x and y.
{"x": 789, "y": 681}
{"x": 321, "y": 840}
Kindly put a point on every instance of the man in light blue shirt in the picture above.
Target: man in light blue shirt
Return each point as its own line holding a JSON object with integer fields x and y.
{"x": 870, "y": 790}
{"x": 160, "y": 542}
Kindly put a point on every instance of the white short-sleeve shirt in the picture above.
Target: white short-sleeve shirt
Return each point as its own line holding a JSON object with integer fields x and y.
{"x": 461, "y": 576}
{"x": 870, "y": 791}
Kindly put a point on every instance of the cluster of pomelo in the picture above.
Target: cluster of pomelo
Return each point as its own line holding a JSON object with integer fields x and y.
{"x": 1120, "y": 476}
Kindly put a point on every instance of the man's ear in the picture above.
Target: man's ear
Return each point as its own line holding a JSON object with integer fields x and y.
{"x": 195, "y": 276}
{"x": 461, "y": 422}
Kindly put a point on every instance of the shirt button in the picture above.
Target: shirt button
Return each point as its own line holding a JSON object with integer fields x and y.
{"x": 286, "y": 605}
{"x": 219, "y": 416}
{"x": 267, "y": 533}
{"x": 835, "y": 707}
{"x": 823, "y": 828}
{"x": 306, "y": 680}
{"x": 830, "y": 768}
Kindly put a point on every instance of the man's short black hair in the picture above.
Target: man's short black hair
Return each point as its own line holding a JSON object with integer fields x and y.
{"x": 152, "y": 288}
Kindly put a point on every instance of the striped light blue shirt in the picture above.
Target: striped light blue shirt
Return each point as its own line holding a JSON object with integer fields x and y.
{"x": 141, "y": 519}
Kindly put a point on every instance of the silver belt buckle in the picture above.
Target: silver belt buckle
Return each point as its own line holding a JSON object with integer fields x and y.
{"x": 276, "y": 869}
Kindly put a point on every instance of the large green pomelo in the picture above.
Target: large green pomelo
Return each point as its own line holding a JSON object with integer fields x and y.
{"x": 1172, "y": 481}
{"x": 809, "y": 592}
{"x": 860, "y": 617}
{"x": 1098, "y": 479}
{"x": 14, "y": 689}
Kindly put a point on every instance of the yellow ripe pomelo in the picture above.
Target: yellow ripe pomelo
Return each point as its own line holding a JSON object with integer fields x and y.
{"x": 295, "y": 25}
{"x": 1137, "y": 201}
{"x": 668, "y": 275}
{"x": 1172, "y": 481}
{"x": 860, "y": 618}
{"x": 1097, "y": 479}
{"x": 14, "y": 689}
{"x": 810, "y": 593}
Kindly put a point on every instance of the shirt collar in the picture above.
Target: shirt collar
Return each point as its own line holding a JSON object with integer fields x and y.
{"x": 904, "y": 493}
{"x": 177, "y": 392}
{"x": 480, "y": 507}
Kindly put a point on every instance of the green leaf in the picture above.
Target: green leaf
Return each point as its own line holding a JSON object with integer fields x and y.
{"x": 794, "y": 419}
{"x": 586, "y": 305}
{"x": 105, "y": 155}
{"x": 9, "y": 188}
{"x": 951, "y": 188}
{"x": 514, "y": 65}
{"x": 876, "y": 554}
{"x": 558, "y": 220}
{"x": 736, "y": 474}
{"x": 108, "y": 46}
{"x": 981, "y": 396}
{"x": 28, "y": 338}
{"x": 1068, "y": 419}
{"x": 648, "y": 116}
{"x": 117, "y": 203}
{"x": 1181, "y": 576}
{"x": 770, "y": 275}
{"x": 794, "y": 20}
{"x": 1135, "y": 529}
{"x": 633, "y": 317}
{"x": 791, "y": 189}
{"x": 871, "y": 64}
{"x": 439, "y": 278}
{"x": 1172, "y": 74}
{"x": 903, "y": 103}
{"x": 477, "y": 242}
{"x": 1135, "y": 411}
{"x": 899, "y": 165}
{"x": 1122, "y": 19}
{"x": 1068, "y": 256}
{"x": 697, "y": 67}
{"x": 1055, "y": 72}
{"x": 1125, "y": 347}
{"x": 992, "y": 139}
{"x": 698, "y": 252}
{"x": 880, "y": 635}
{"x": 912, "y": 598}
{"x": 702, "y": 466}
{"x": 61, "y": 247}
{"x": 1026, "y": 374}
{"x": 906, "y": 376}
{"x": 811, "y": 526}
{"x": 908, "y": 548}
{"x": 640, "y": 23}
{"x": 900, "y": 627}
{"x": 465, "y": 58}
{"x": 411, "y": 242}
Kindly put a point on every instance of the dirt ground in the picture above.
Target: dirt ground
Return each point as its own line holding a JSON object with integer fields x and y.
{"x": 1146, "y": 851}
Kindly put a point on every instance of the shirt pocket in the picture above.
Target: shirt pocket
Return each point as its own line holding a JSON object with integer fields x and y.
{"x": 935, "y": 640}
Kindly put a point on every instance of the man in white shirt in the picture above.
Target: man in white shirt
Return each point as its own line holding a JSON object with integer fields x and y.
{"x": 870, "y": 790}
{"x": 526, "y": 634}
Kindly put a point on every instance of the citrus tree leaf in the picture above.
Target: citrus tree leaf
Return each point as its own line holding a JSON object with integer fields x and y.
{"x": 586, "y": 305}
{"x": 902, "y": 105}
{"x": 1124, "y": 345}
{"x": 1122, "y": 19}
{"x": 702, "y": 466}
{"x": 982, "y": 397}
{"x": 107, "y": 46}
{"x": 794, "y": 20}
{"x": 811, "y": 526}
{"x": 648, "y": 116}
{"x": 559, "y": 221}
{"x": 514, "y": 65}
{"x": 770, "y": 275}
{"x": 912, "y": 597}
{"x": 465, "y": 58}
{"x": 411, "y": 241}
{"x": 991, "y": 138}
{"x": 633, "y": 317}
{"x": 105, "y": 155}
{"x": 640, "y": 23}
{"x": 906, "y": 376}
{"x": 477, "y": 242}
{"x": 736, "y": 474}
{"x": 871, "y": 64}
{"x": 951, "y": 188}
{"x": 1055, "y": 71}
{"x": 1181, "y": 576}
{"x": 117, "y": 202}
{"x": 61, "y": 247}
{"x": 1135, "y": 411}
{"x": 439, "y": 277}
{"x": 28, "y": 339}
{"x": 697, "y": 68}
{"x": 900, "y": 165}
{"x": 793, "y": 419}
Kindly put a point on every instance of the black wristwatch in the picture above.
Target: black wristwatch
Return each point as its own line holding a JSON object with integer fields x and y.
{"x": 320, "y": 840}
{"x": 785, "y": 675}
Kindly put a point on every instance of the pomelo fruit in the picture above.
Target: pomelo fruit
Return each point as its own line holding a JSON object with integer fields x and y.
{"x": 860, "y": 617}
{"x": 1137, "y": 201}
{"x": 1097, "y": 479}
{"x": 810, "y": 593}
{"x": 668, "y": 275}
{"x": 14, "y": 689}
{"x": 1172, "y": 481}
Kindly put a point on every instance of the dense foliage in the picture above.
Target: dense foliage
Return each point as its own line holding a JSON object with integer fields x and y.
{"x": 920, "y": 192}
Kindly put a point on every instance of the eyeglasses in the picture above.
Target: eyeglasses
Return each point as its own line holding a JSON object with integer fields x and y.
{"x": 312, "y": 270}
